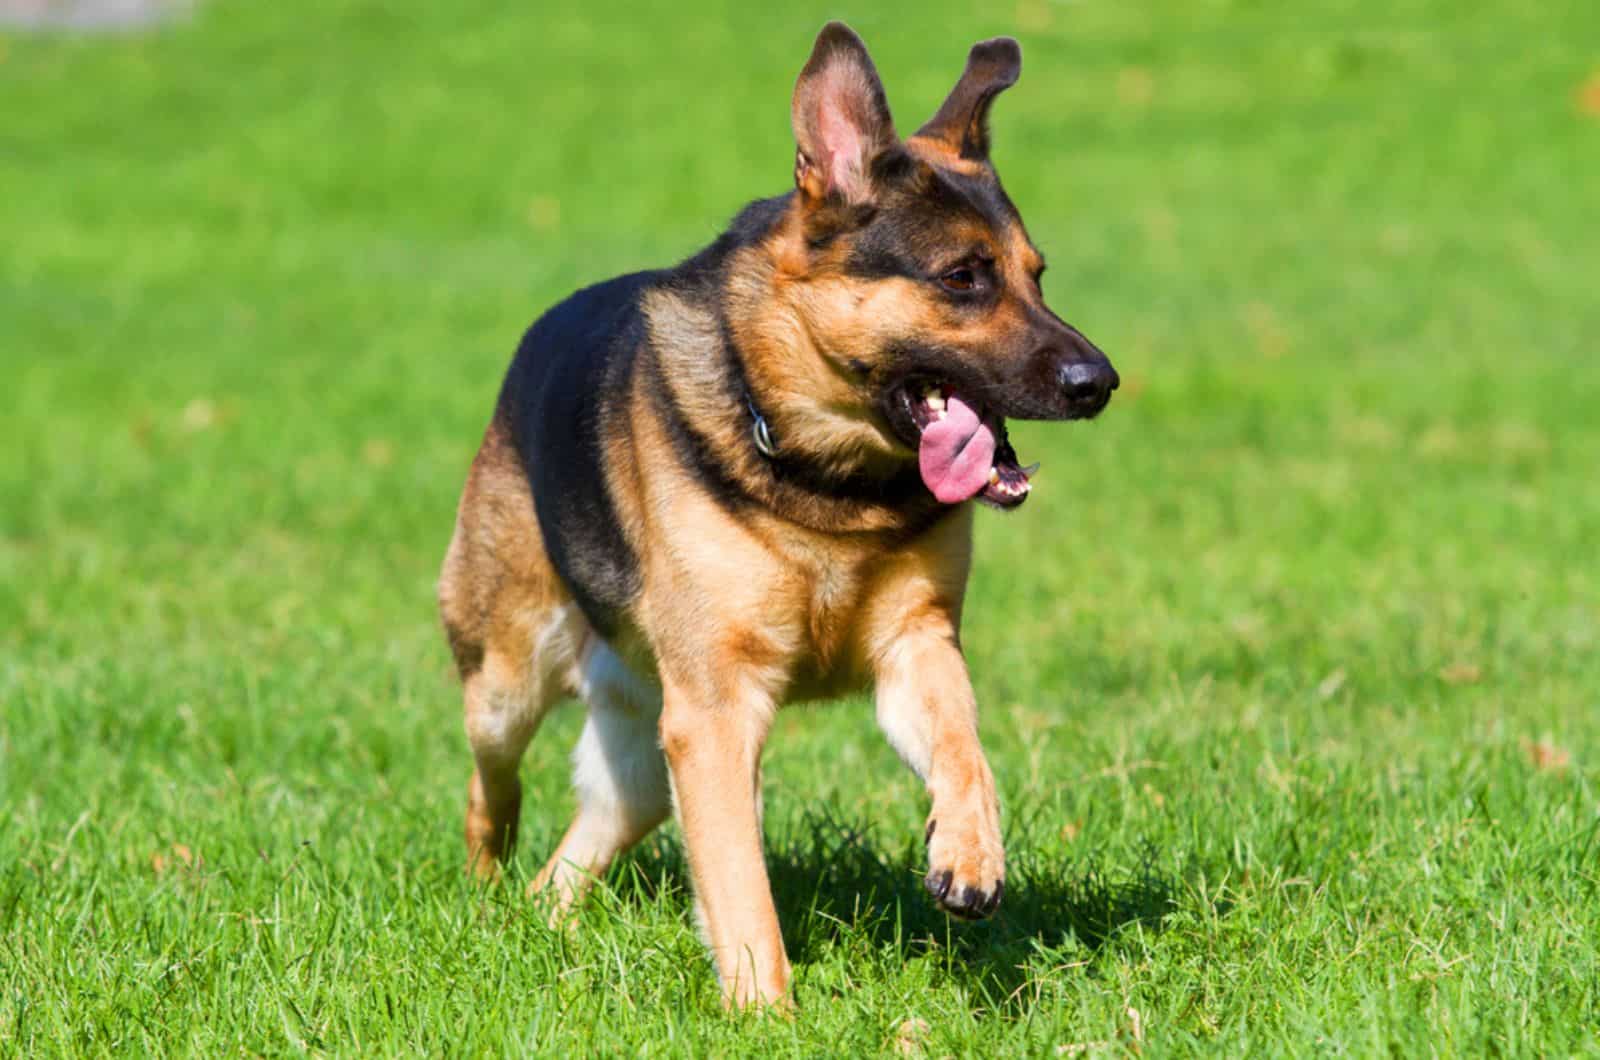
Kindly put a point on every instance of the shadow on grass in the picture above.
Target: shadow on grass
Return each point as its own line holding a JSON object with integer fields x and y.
{"x": 835, "y": 883}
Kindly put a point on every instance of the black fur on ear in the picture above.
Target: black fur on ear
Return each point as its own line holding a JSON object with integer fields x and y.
{"x": 963, "y": 121}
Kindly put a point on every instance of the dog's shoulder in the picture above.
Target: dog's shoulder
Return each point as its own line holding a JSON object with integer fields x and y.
{"x": 573, "y": 364}
{"x": 578, "y": 337}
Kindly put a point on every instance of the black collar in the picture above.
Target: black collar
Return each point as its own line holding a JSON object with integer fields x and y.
{"x": 798, "y": 473}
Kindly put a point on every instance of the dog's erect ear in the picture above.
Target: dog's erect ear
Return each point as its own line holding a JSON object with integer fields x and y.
{"x": 963, "y": 122}
{"x": 841, "y": 118}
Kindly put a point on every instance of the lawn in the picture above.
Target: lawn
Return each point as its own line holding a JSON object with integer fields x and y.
{"x": 1289, "y": 670}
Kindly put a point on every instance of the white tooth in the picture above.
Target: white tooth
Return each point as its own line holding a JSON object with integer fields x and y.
{"x": 1031, "y": 470}
{"x": 994, "y": 477}
{"x": 935, "y": 402}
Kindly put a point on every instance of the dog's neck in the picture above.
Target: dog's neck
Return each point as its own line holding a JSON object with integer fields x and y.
{"x": 711, "y": 397}
{"x": 811, "y": 400}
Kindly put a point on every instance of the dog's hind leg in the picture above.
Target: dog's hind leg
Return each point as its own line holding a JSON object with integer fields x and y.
{"x": 506, "y": 699}
{"x": 512, "y": 628}
{"x": 619, "y": 772}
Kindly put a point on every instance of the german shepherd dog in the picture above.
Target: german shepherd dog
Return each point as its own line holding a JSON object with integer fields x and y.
{"x": 744, "y": 480}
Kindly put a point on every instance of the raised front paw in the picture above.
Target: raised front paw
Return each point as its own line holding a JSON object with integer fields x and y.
{"x": 966, "y": 869}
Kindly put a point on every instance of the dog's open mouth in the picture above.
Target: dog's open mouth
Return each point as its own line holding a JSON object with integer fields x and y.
{"x": 962, "y": 449}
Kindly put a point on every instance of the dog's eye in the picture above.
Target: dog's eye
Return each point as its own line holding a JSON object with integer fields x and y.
{"x": 960, "y": 279}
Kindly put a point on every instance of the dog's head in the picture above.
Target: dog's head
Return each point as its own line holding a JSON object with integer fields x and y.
{"x": 909, "y": 272}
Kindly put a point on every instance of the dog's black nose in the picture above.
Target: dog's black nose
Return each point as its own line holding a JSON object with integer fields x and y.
{"x": 1087, "y": 385}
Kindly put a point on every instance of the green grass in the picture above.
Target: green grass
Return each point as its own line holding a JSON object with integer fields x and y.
{"x": 1290, "y": 670}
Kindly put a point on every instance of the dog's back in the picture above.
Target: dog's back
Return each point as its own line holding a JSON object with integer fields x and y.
{"x": 569, "y": 377}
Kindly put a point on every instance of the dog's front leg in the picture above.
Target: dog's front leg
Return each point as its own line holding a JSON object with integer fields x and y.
{"x": 927, "y": 709}
{"x": 712, "y": 733}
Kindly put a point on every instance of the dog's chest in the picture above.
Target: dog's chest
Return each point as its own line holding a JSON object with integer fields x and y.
{"x": 830, "y": 606}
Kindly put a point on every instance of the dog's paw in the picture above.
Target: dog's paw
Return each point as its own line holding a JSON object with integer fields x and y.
{"x": 966, "y": 874}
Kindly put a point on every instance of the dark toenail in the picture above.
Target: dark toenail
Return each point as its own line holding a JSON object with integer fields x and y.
{"x": 926, "y": 836}
{"x": 939, "y": 886}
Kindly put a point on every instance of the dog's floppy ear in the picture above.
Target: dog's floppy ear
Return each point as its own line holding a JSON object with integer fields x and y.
{"x": 841, "y": 118}
{"x": 963, "y": 122}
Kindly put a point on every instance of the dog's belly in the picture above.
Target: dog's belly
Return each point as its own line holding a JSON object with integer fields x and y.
{"x": 811, "y": 677}
{"x": 812, "y": 683}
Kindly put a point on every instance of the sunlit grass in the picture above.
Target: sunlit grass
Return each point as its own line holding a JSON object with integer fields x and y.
{"x": 1290, "y": 669}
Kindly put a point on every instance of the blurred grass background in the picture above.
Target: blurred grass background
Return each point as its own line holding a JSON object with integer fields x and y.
{"x": 1288, "y": 668}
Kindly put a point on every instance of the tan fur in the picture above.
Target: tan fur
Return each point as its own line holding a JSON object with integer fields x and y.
{"x": 944, "y": 154}
{"x": 801, "y": 321}
{"x": 739, "y": 616}
{"x": 797, "y": 595}
{"x": 496, "y": 591}
{"x": 746, "y": 615}
{"x": 519, "y": 642}
{"x": 811, "y": 412}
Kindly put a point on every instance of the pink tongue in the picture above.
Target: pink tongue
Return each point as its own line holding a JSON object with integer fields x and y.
{"x": 956, "y": 453}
